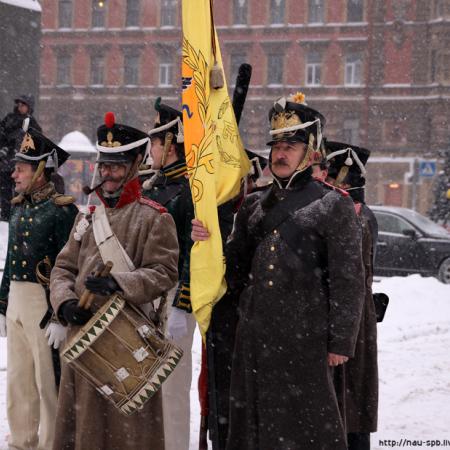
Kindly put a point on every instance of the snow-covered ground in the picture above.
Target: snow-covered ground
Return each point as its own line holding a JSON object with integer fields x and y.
{"x": 414, "y": 358}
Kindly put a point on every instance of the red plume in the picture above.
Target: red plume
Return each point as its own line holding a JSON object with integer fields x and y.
{"x": 110, "y": 120}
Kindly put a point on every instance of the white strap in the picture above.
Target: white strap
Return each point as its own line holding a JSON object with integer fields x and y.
{"x": 108, "y": 244}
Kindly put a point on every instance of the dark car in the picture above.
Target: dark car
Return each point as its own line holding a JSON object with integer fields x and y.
{"x": 410, "y": 243}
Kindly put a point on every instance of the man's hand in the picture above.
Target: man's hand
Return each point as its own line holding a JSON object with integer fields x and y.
{"x": 199, "y": 232}
{"x": 73, "y": 314}
{"x": 336, "y": 360}
{"x": 102, "y": 285}
{"x": 177, "y": 324}
{"x": 56, "y": 333}
{"x": 2, "y": 325}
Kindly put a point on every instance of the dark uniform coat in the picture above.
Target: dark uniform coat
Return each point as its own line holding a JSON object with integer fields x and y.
{"x": 358, "y": 378}
{"x": 302, "y": 297}
{"x": 171, "y": 189}
{"x": 39, "y": 227}
{"x": 85, "y": 420}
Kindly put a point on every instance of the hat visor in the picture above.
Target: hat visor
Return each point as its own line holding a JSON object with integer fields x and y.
{"x": 286, "y": 138}
{"x": 18, "y": 157}
{"x": 114, "y": 158}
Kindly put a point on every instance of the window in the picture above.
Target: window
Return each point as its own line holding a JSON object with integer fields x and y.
{"x": 440, "y": 8}
{"x": 133, "y": 11}
{"x": 63, "y": 70}
{"x": 388, "y": 223}
{"x": 97, "y": 70}
{"x": 275, "y": 69}
{"x": 168, "y": 13}
{"x": 236, "y": 59}
{"x": 314, "y": 69}
{"x": 240, "y": 12}
{"x": 433, "y": 66}
{"x": 351, "y": 131}
{"x": 355, "y": 10}
{"x": 98, "y": 13}
{"x": 166, "y": 71}
{"x": 131, "y": 70}
{"x": 353, "y": 70}
{"x": 65, "y": 13}
{"x": 316, "y": 11}
{"x": 277, "y": 8}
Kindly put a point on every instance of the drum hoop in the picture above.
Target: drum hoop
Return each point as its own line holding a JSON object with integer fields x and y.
{"x": 152, "y": 386}
{"x": 93, "y": 329}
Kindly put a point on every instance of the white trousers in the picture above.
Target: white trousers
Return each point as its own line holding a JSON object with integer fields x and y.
{"x": 176, "y": 393}
{"x": 31, "y": 390}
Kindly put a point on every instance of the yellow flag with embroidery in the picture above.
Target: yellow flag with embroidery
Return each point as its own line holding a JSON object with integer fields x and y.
{"x": 215, "y": 156}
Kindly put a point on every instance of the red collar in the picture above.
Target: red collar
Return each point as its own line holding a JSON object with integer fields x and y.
{"x": 130, "y": 193}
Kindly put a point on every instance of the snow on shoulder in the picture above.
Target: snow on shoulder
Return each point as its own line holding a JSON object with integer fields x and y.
{"x": 77, "y": 142}
{"x": 32, "y": 5}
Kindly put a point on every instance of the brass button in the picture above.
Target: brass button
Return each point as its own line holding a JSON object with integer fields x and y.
{"x": 28, "y": 206}
{"x": 22, "y": 219}
{"x": 30, "y": 219}
{"x": 270, "y": 283}
{"x": 15, "y": 247}
{"x": 272, "y": 249}
{"x": 275, "y": 231}
{"x": 36, "y": 207}
{"x": 13, "y": 262}
{"x": 271, "y": 267}
{"x": 27, "y": 233}
{"x": 24, "y": 263}
{"x": 24, "y": 277}
{"x": 14, "y": 277}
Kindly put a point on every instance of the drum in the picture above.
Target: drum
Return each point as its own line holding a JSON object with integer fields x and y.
{"x": 122, "y": 354}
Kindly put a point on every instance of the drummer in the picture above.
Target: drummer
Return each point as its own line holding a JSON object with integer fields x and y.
{"x": 147, "y": 242}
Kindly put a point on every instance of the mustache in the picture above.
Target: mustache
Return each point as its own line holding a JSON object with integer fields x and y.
{"x": 280, "y": 162}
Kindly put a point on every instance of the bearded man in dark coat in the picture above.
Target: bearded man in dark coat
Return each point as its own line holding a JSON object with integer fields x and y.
{"x": 294, "y": 257}
{"x": 357, "y": 381}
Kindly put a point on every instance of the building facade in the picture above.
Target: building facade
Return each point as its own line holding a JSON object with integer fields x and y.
{"x": 379, "y": 71}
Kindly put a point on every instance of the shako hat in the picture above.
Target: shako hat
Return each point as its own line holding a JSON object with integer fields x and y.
{"x": 36, "y": 147}
{"x": 346, "y": 161}
{"x": 118, "y": 143}
{"x": 168, "y": 119}
{"x": 292, "y": 120}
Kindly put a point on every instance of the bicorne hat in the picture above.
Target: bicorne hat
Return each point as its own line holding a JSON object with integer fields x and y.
{"x": 36, "y": 147}
{"x": 346, "y": 162}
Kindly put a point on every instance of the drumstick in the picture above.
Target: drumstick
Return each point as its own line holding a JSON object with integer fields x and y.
{"x": 87, "y": 297}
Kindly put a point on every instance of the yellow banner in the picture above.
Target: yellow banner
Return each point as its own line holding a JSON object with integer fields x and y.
{"x": 215, "y": 155}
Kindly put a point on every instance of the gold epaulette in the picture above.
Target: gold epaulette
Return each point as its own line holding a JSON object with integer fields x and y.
{"x": 63, "y": 200}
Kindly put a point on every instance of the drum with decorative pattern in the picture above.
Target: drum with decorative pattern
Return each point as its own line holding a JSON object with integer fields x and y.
{"x": 122, "y": 354}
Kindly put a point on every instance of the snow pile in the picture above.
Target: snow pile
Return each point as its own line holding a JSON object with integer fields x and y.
{"x": 77, "y": 142}
{"x": 33, "y": 5}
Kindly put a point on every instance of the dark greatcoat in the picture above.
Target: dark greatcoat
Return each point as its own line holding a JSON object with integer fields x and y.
{"x": 302, "y": 298}
{"x": 357, "y": 380}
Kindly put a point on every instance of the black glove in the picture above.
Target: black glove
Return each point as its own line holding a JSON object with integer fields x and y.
{"x": 102, "y": 285}
{"x": 72, "y": 313}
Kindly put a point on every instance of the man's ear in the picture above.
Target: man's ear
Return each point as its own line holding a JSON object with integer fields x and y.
{"x": 172, "y": 149}
{"x": 139, "y": 158}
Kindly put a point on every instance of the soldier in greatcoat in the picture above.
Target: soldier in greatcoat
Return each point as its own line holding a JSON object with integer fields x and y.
{"x": 147, "y": 234}
{"x": 294, "y": 258}
{"x": 357, "y": 380}
{"x": 41, "y": 220}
